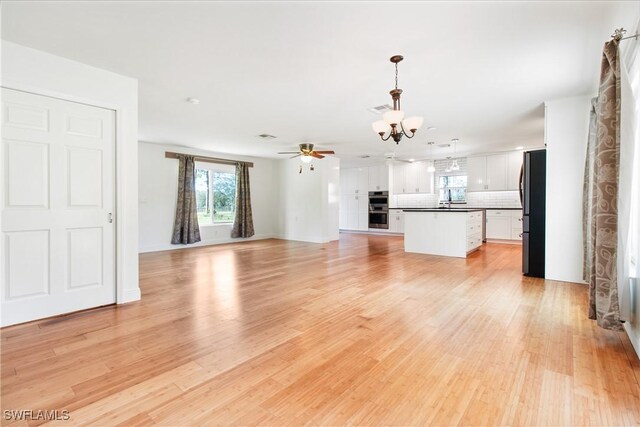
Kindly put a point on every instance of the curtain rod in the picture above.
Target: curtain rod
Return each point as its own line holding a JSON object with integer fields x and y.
{"x": 172, "y": 155}
{"x": 618, "y": 33}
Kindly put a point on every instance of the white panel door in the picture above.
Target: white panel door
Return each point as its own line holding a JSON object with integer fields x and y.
{"x": 58, "y": 194}
{"x": 476, "y": 173}
{"x": 497, "y": 172}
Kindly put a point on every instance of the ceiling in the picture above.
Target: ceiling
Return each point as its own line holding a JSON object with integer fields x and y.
{"x": 308, "y": 71}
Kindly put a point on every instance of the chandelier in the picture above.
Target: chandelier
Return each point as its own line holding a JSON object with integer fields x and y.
{"x": 394, "y": 119}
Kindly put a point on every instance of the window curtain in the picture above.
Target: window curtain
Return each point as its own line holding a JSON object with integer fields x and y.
{"x": 185, "y": 226}
{"x": 243, "y": 222}
{"x": 607, "y": 192}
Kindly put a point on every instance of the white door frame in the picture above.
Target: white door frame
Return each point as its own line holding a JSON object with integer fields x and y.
{"x": 119, "y": 171}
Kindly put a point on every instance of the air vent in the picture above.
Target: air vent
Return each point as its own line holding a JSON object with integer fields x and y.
{"x": 444, "y": 145}
{"x": 380, "y": 109}
{"x": 365, "y": 156}
{"x": 266, "y": 136}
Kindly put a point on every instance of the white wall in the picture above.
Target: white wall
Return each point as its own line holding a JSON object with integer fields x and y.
{"x": 158, "y": 191}
{"x": 309, "y": 201}
{"x": 34, "y": 71}
{"x": 566, "y": 129}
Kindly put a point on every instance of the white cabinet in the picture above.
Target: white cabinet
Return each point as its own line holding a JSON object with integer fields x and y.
{"x": 496, "y": 172}
{"x": 354, "y": 212}
{"x": 489, "y": 173}
{"x": 396, "y": 221}
{"x": 504, "y": 224}
{"x": 516, "y": 225}
{"x": 476, "y": 173}
{"x": 398, "y": 178}
{"x": 425, "y": 178}
{"x": 412, "y": 178}
{"x": 379, "y": 178}
{"x": 354, "y": 199}
{"x": 514, "y": 164}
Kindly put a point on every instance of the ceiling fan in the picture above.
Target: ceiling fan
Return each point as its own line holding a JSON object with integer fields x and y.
{"x": 308, "y": 153}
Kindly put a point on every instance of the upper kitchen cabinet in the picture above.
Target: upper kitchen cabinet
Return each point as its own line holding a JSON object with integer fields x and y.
{"x": 495, "y": 172}
{"x": 411, "y": 178}
{"x": 476, "y": 173}
{"x": 354, "y": 180}
{"x": 514, "y": 164}
{"x": 379, "y": 178}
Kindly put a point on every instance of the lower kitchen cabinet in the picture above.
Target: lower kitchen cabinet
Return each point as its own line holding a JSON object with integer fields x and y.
{"x": 503, "y": 224}
{"x": 396, "y": 221}
{"x": 354, "y": 212}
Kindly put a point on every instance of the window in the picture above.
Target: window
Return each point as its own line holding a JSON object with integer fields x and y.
{"x": 215, "y": 196}
{"x": 456, "y": 184}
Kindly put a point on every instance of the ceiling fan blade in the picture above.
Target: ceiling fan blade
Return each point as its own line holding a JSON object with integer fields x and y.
{"x": 316, "y": 155}
{"x": 288, "y": 152}
{"x": 325, "y": 152}
{"x": 297, "y": 155}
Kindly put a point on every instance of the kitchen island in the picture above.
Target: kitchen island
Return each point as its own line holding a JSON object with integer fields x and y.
{"x": 446, "y": 232}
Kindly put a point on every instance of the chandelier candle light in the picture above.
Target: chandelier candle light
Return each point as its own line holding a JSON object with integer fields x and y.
{"x": 394, "y": 119}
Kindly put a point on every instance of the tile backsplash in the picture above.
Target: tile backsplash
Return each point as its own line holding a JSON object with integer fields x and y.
{"x": 413, "y": 201}
{"x": 494, "y": 199}
{"x": 481, "y": 199}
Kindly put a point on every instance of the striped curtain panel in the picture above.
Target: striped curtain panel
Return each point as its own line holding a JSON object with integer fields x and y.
{"x": 185, "y": 226}
{"x": 243, "y": 222}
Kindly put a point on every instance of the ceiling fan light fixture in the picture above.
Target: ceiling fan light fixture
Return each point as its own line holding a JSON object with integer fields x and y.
{"x": 305, "y": 158}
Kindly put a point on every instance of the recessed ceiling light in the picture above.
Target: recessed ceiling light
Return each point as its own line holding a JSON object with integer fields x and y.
{"x": 194, "y": 101}
{"x": 519, "y": 147}
{"x": 431, "y": 128}
{"x": 412, "y": 160}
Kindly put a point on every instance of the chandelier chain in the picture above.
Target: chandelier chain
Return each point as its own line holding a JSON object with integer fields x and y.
{"x": 396, "y": 75}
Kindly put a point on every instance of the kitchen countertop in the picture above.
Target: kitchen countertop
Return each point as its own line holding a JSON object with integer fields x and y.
{"x": 458, "y": 209}
{"x": 445, "y": 210}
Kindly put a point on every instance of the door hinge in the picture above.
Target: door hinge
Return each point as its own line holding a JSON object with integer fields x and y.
{"x": 110, "y": 217}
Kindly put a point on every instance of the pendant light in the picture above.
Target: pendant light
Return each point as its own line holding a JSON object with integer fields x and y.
{"x": 454, "y": 163}
{"x": 394, "y": 119}
{"x": 431, "y": 168}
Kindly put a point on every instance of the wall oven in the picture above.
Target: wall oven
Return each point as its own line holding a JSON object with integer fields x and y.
{"x": 379, "y": 209}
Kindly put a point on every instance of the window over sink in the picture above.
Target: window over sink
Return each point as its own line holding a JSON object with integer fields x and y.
{"x": 457, "y": 184}
{"x": 215, "y": 196}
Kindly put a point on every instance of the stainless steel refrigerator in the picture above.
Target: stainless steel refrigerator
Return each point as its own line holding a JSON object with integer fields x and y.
{"x": 533, "y": 184}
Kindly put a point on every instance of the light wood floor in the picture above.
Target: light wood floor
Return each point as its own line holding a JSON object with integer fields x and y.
{"x": 353, "y": 332}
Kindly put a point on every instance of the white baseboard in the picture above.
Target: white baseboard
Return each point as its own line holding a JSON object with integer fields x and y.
{"x": 210, "y": 242}
{"x": 633, "y": 337}
{"x": 308, "y": 239}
